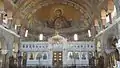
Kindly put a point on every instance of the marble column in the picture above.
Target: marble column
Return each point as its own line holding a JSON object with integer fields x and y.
{"x": 103, "y": 23}
{"x": 103, "y": 18}
{"x": 96, "y": 25}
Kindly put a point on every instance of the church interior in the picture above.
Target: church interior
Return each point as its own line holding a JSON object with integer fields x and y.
{"x": 59, "y": 33}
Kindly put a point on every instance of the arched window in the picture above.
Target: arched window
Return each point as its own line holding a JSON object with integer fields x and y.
{"x": 114, "y": 13}
{"x": 75, "y": 37}
{"x": 107, "y": 19}
{"x": 41, "y": 37}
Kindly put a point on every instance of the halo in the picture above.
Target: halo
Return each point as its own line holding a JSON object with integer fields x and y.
{"x": 58, "y": 9}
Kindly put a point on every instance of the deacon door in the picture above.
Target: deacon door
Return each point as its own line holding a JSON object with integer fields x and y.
{"x": 57, "y": 59}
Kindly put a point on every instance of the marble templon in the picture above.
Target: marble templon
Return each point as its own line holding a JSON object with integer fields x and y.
{"x": 67, "y": 54}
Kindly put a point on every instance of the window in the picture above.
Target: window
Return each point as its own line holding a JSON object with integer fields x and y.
{"x": 26, "y": 33}
{"x": 114, "y": 13}
{"x": 107, "y": 19}
{"x": 89, "y": 33}
{"x": 41, "y": 37}
{"x": 15, "y": 27}
{"x": 75, "y": 37}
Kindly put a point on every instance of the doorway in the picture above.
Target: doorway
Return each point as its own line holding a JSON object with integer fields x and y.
{"x": 57, "y": 59}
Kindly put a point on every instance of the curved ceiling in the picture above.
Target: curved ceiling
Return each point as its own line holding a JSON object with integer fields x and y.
{"x": 29, "y": 7}
{"x": 37, "y": 12}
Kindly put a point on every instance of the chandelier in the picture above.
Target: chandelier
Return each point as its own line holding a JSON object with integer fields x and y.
{"x": 57, "y": 39}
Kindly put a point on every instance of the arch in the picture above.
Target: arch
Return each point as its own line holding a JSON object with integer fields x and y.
{"x": 28, "y": 5}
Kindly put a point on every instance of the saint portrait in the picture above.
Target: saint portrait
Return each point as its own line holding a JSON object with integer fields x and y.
{"x": 58, "y": 21}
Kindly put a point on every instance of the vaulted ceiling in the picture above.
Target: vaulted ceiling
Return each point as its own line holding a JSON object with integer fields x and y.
{"x": 36, "y": 14}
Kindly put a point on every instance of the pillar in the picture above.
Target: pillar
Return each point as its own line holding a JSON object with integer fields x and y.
{"x": 103, "y": 23}
{"x": 9, "y": 44}
{"x": 18, "y": 26}
{"x": 3, "y": 54}
{"x": 96, "y": 25}
{"x": 9, "y": 16}
{"x": 1, "y": 18}
{"x": 103, "y": 17}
